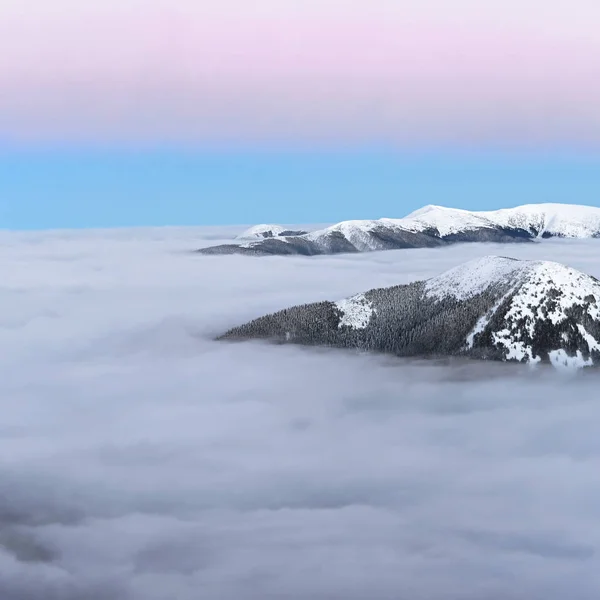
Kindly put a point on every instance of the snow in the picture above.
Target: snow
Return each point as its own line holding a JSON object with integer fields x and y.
{"x": 357, "y": 232}
{"x": 536, "y": 289}
{"x": 482, "y": 323}
{"x": 561, "y": 360}
{"x": 592, "y": 342}
{"x": 476, "y": 276}
{"x": 536, "y": 279}
{"x": 258, "y": 232}
{"x": 545, "y": 276}
{"x": 555, "y": 288}
{"x": 515, "y": 348}
{"x": 446, "y": 220}
{"x": 357, "y": 311}
{"x": 257, "y": 243}
{"x": 479, "y": 327}
{"x": 564, "y": 220}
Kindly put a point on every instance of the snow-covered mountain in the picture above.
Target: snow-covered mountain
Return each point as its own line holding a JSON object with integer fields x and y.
{"x": 490, "y": 308}
{"x": 427, "y": 227}
{"x": 261, "y": 232}
{"x": 539, "y": 220}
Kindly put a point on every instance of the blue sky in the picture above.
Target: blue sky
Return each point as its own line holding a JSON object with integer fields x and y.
{"x": 110, "y": 188}
{"x": 339, "y": 83}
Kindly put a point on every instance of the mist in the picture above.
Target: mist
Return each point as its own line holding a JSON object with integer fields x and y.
{"x": 141, "y": 460}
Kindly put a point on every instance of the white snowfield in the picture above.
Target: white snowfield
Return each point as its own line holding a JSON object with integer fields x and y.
{"x": 259, "y": 232}
{"x": 356, "y": 311}
{"x": 532, "y": 288}
{"x": 474, "y": 277}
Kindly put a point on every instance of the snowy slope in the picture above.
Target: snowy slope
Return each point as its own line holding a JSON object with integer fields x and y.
{"x": 260, "y": 232}
{"x": 446, "y": 221}
{"x": 476, "y": 276}
{"x": 358, "y": 233}
{"x": 561, "y": 220}
{"x": 356, "y": 311}
{"x": 549, "y": 220}
{"x": 537, "y": 290}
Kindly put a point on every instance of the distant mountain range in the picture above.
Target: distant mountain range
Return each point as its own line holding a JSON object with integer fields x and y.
{"x": 491, "y": 308}
{"x": 427, "y": 227}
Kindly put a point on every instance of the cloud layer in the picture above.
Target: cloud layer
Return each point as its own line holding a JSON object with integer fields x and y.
{"x": 142, "y": 461}
{"x": 426, "y": 72}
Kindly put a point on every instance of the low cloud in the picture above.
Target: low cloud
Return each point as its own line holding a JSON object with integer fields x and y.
{"x": 143, "y": 461}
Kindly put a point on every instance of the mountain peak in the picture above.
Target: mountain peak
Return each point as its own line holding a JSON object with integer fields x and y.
{"x": 475, "y": 276}
{"x": 264, "y": 231}
{"x": 431, "y": 208}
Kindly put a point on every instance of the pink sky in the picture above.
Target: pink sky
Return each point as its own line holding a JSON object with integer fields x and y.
{"x": 247, "y": 71}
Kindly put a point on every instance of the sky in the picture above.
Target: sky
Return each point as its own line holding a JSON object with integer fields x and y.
{"x": 144, "y": 461}
{"x": 274, "y": 86}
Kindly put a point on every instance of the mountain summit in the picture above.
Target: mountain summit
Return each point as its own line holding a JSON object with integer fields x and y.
{"x": 427, "y": 227}
{"x": 538, "y": 220}
{"x": 261, "y": 232}
{"x": 491, "y": 308}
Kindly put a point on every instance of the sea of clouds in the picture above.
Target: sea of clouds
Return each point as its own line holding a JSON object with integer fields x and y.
{"x": 140, "y": 460}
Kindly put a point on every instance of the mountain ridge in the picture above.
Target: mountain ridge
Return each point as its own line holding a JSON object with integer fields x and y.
{"x": 427, "y": 227}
